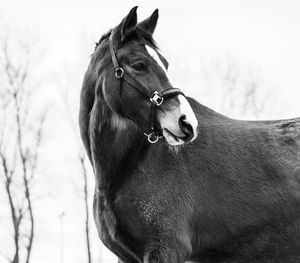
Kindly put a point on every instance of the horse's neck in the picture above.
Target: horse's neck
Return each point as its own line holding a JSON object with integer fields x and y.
{"x": 117, "y": 149}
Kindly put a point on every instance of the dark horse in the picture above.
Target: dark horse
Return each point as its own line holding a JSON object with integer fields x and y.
{"x": 176, "y": 181}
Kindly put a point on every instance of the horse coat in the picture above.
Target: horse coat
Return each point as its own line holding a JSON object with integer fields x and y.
{"x": 230, "y": 195}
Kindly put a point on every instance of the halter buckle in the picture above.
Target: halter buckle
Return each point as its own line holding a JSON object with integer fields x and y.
{"x": 119, "y": 72}
{"x": 156, "y": 98}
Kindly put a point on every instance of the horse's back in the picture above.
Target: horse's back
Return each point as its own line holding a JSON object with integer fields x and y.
{"x": 285, "y": 132}
{"x": 279, "y": 141}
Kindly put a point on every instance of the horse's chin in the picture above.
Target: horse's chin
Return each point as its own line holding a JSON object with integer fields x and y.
{"x": 172, "y": 139}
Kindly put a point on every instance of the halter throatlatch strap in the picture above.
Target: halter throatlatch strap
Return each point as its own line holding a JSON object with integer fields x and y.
{"x": 156, "y": 98}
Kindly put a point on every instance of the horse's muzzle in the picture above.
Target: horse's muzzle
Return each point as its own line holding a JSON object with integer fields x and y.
{"x": 178, "y": 121}
{"x": 186, "y": 128}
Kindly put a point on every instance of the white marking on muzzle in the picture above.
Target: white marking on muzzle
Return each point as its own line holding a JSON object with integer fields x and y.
{"x": 170, "y": 125}
{"x": 187, "y": 110}
{"x": 155, "y": 56}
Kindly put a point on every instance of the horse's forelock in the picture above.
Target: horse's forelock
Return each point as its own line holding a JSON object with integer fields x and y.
{"x": 141, "y": 35}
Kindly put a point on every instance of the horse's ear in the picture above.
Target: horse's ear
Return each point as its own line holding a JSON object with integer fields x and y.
{"x": 149, "y": 24}
{"x": 129, "y": 22}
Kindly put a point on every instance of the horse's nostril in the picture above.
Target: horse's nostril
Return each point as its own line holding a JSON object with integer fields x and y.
{"x": 186, "y": 128}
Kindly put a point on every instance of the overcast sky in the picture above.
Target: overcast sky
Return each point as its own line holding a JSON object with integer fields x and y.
{"x": 264, "y": 34}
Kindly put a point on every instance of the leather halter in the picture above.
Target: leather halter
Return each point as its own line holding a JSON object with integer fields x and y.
{"x": 156, "y": 98}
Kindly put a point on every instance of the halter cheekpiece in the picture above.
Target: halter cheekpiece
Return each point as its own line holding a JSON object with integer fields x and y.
{"x": 156, "y": 98}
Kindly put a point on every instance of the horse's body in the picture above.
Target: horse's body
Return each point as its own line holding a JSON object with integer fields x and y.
{"x": 231, "y": 195}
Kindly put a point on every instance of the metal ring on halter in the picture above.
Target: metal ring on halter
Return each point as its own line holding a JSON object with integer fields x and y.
{"x": 119, "y": 72}
{"x": 156, "y": 98}
{"x": 152, "y": 137}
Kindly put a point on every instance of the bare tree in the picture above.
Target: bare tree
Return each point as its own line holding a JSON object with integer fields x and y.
{"x": 83, "y": 162}
{"x": 240, "y": 86}
{"x": 21, "y": 136}
{"x": 81, "y": 156}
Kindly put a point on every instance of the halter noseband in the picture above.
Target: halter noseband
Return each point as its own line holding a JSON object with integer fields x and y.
{"x": 156, "y": 98}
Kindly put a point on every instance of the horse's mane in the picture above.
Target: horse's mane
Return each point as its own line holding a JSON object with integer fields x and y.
{"x": 138, "y": 33}
{"x": 103, "y": 37}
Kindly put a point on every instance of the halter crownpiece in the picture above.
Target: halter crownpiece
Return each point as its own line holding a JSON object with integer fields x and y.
{"x": 156, "y": 98}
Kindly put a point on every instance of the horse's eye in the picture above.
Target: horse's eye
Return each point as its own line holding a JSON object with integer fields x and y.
{"x": 139, "y": 66}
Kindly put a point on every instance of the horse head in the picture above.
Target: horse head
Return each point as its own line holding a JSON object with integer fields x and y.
{"x": 135, "y": 84}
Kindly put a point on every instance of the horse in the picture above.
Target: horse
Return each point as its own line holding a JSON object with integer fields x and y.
{"x": 176, "y": 181}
